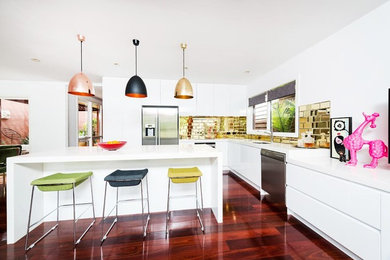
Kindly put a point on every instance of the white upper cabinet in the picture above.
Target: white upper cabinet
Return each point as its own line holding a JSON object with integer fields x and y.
{"x": 221, "y": 100}
{"x": 237, "y": 100}
{"x": 205, "y": 100}
{"x": 230, "y": 100}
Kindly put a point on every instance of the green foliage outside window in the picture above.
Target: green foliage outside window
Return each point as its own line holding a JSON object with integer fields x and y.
{"x": 283, "y": 115}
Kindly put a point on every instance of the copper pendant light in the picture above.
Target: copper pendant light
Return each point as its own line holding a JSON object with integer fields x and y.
{"x": 80, "y": 84}
{"x": 135, "y": 86}
{"x": 183, "y": 88}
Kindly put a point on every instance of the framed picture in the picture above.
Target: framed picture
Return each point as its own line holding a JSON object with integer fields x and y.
{"x": 340, "y": 127}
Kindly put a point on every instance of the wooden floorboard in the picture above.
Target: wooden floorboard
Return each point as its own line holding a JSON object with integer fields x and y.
{"x": 252, "y": 229}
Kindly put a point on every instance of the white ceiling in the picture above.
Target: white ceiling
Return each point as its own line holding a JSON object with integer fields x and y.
{"x": 225, "y": 37}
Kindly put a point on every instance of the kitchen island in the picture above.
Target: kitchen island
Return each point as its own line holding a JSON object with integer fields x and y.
{"x": 21, "y": 170}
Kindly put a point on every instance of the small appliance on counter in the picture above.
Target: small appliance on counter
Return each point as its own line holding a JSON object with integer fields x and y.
{"x": 323, "y": 142}
{"x": 306, "y": 140}
{"x": 160, "y": 125}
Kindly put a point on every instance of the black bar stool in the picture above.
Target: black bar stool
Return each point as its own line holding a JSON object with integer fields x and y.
{"x": 126, "y": 178}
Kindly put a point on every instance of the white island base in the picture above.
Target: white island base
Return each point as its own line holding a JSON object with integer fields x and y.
{"x": 22, "y": 170}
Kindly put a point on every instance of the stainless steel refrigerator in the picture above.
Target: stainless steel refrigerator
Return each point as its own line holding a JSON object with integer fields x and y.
{"x": 160, "y": 125}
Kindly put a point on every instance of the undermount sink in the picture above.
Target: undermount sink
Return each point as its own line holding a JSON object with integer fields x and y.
{"x": 260, "y": 142}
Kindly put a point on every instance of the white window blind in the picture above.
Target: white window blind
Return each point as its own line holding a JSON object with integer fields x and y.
{"x": 260, "y": 116}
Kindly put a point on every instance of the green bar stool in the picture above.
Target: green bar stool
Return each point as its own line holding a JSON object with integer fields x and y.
{"x": 61, "y": 182}
{"x": 126, "y": 178}
{"x": 186, "y": 175}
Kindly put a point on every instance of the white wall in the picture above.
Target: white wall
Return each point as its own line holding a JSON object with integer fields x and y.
{"x": 122, "y": 115}
{"x": 351, "y": 69}
{"x": 47, "y": 111}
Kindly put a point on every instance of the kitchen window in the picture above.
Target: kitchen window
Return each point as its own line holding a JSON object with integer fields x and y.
{"x": 260, "y": 116}
{"x": 283, "y": 115}
{"x": 276, "y": 109}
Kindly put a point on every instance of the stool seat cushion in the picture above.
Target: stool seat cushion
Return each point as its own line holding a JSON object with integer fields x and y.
{"x": 61, "y": 181}
{"x": 184, "y": 175}
{"x": 123, "y": 178}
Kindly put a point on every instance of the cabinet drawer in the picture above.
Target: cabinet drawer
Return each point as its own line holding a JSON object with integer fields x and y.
{"x": 354, "y": 235}
{"x": 360, "y": 202}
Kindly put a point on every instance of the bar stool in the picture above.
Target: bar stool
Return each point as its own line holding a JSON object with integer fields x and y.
{"x": 186, "y": 175}
{"x": 126, "y": 178}
{"x": 61, "y": 182}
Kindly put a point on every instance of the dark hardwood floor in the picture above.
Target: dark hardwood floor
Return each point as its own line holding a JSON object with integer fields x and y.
{"x": 251, "y": 230}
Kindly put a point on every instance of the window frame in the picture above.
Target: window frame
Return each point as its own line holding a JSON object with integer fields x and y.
{"x": 250, "y": 115}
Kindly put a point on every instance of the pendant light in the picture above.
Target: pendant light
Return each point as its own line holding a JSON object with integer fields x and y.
{"x": 135, "y": 86}
{"x": 183, "y": 87}
{"x": 80, "y": 84}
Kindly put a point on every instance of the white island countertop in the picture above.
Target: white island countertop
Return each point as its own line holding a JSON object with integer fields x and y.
{"x": 21, "y": 170}
{"x": 151, "y": 152}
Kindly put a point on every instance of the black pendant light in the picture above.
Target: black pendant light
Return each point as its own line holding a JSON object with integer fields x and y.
{"x": 135, "y": 86}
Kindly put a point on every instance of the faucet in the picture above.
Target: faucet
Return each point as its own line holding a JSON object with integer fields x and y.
{"x": 271, "y": 135}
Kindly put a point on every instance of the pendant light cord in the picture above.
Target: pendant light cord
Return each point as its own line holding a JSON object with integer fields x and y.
{"x": 136, "y": 60}
{"x": 81, "y": 54}
{"x": 183, "y": 65}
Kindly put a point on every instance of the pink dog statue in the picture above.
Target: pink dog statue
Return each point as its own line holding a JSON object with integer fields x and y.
{"x": 355, "y": 142}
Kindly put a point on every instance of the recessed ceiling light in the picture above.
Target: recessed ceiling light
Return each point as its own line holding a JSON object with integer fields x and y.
{"x": 35, "y": 60}
{"x": 247, "y": 71}
{"x": 116, "y": 63}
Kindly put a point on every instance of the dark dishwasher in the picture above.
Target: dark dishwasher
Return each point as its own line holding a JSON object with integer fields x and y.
{"x": 273, "y": 176}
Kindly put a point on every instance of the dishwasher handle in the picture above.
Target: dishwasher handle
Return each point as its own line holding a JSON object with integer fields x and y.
{"x": 274, "y": 155}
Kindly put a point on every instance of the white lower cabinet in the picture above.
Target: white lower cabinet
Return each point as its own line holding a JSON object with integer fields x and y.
{"x": 348, "y": 213}
{"x": 245, "y": 161}
{"x": 222, "y": 147}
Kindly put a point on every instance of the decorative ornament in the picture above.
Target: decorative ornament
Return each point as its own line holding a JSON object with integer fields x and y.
{"x": 355, "y": 142}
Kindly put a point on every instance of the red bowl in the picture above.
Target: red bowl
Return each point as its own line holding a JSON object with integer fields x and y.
{"x": 112, "y": 147}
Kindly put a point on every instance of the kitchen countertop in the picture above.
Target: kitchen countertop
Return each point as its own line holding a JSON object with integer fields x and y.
{"x": 150, "y": 152}
{"x": 319, "y": 160}
{"x": 378, "y": 178}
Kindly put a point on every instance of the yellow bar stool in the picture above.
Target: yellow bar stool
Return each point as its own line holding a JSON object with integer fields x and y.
{"x": 186, "y": 175}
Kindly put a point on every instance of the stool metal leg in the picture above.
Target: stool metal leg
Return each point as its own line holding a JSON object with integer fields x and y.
{"x": 104, "y": 201}
{"x": 143, "y": 210}
{"x": 94, "y": 219}
{"x": 29, "y": 220}
{"x": 145, "y": 225}
{"x": 116, "y": 207}
{"x": 74, "y": 217}
{"x": 147, "y": 191}
{"x": 93, "y": 203}
{"x": 201, "y": 203}
{"x": 58, "y": 206}
{"x": 29, "y": 226}
{"x": 116, "y": 215}
{"x": 197, "y": 206}
{"x": 147, "y": 194}
{"x": 167, "y": 217}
